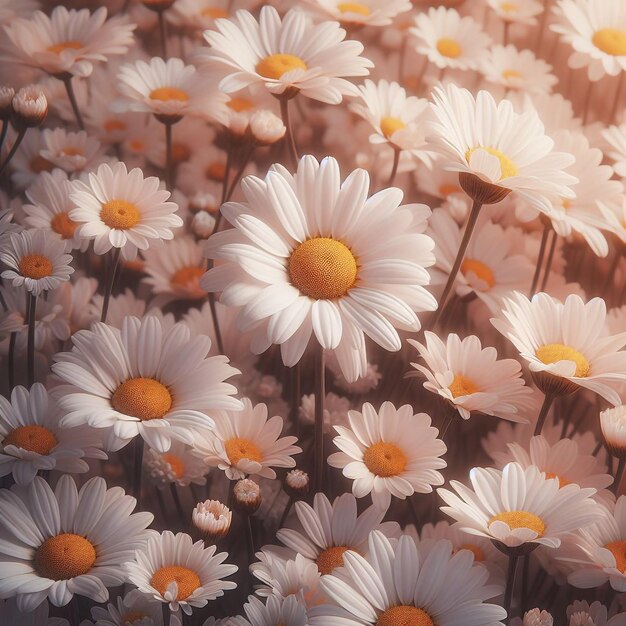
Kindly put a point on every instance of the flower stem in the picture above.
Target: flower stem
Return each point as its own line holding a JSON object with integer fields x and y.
{"x": 542, "y": 254}
{"x": 619, "y": 475}
{"x": 166, "y": 612}
{"x": 510, "y": 584}
{"x": 16, "y": 145}
{"x": 11, "y": 359}
{"x": 32, "y": 313}
{"x": 283, "y": 517}
{"x": 3, "y": 132}
{"x": 177, "y": 503}
{"x": 216, "y": 324}
{"x": 137, "y": 469}
{"x": 543, "y": 413}
{"x": 320, "y": 395}
{"x": 110, "y": 280}
{"x": 163, "y": 33}
{"x": 67, "y": 81}
{"x": 284, "y": 112}
{"x": 168, "y": 153}
{"x": 296, "y": 394}
{"x": 394, "y": 167}
{"x": 546, "y": 273}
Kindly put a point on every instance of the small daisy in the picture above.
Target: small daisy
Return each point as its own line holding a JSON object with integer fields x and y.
{"x": 181, "y": 465}
{"x": 65, "y": 542}
{"x": 613, "y": 425}
{"x": 389, "y": 452}
{"x": 132, "y": 609}
{"x": 335, "y": 411}
{"x": 566, "y": 345}
{"x": 121, "y": 209}
{"x": 615, "y": 218}
{"x": 212, "y": 518}
{"x": 72, "y": 152}
{"x": 362, "y": 12}
{"x": 615, "y": 136}
{"x": 143, "y": 380}
{"x": 172, "y": 569}
{"x": 449, "y": 40}
{"x": 36, "y": 259}
{"x": 198, "y": 15}
{"x": 287, "y": 56}
{"x": 517, "y": 11}
{"x": 245, "y": 443}
{"x": 580, "y": 613}
{"x": 332, "y": 530}
{"x": 275, "y": 611}
{"x": 517, "y": 506}
{"x": 472, "y": 378}
{"x": 403, "y": 583}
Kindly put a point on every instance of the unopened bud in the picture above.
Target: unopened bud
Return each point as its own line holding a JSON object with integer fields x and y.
{"x": 203, "y": 224}
{"x": 536, "y": 617}
{"x": 212, "y": 518}
{"x": 30, "y": 107}
{"x": 266, "y": 128}
{"x": 247, "y": 496}
{"x": 297, "y": 484}
{"x": 238, "y": 124}
{"x": 6, "y": 99}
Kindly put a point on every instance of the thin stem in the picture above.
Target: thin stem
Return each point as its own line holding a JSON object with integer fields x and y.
{"x": 163, "y": 33}
{"x": 543, "y": 413}
{"x": 505, "y": 34}
{"x": 284, "y": 112}
{"x": 137, "y": 468}
{"x": 619, "y": 475}
{"x": 394, "y": 168}
{"x": 110, "y": 280}
{"x": 320, "y": 395}
{"x": 177, "y": 502}
{"x": 611, "y": 274}
{"x": 229, "y": 162}
{"x": 283, "y": 517}
{"x": 166, "y": 612}
{"x": 249, "y": 538}
{"x": 402, "y": 60}
{"x": 618, "y": 93}
{"x": 510, "y": 584}
{"x": 296, "y": 394}
{"x": 467, "y": 235}
{"x": 11, "y": 359}
{"x": 587, "y": 108}
{"x": 542, "y": 254}
{"x": 168, "y": 153}
{"x": 3, "y": 132}
{"x": 525, "y": 581}
{"x": 32, "y": 316}
{"x": 239, "y": 173}
{"x": 16, "y": 145}
{"x": 67, "y": 81}
{"x": 546, "y": 273}
{"x": 216, "y": 323}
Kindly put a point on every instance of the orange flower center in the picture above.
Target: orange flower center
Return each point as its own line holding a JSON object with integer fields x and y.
{"x": 511, "y": 74}
{"x": 180, "y": 152}
{"x": 520, "y": 519}
{"x": 216, "y": 171}
{"x": 186, "y": 580}
{"x": 72, "y": 151}
{"x": 562, "y": 481}
{"x": 331, "y": 558}
{"x": 462, "y": 386}
{"x": 479, "y": 555}
{"x": 176, "y": 464}
{"x": 480, "y": 270}
{"x": 64, "y": 556}
{"x": 73, "y": 44}
{"x": 238, "y": 448}
{"x": 555, "y": 352}
{"x": 240, "y": 104}
{"x": 144, "y": 398}
{"x": 385, "y": 459}
{"x": 169, "y": 93}
{"x": 618, "y": 550}
{"x": 404, "y": 615}
{"x": 611, "y": 41}
{"x": 389, "y": 125}
{"x": 448, "y": 190}
{"x": 509, "y": 7}
{"x": 275, "y": 65}
{"x": 63, "y": 225}
{"x": 33, "y": 438}
{"x": 215, "y": 12}
{"x": 112, "y": 125}
{"x": 449, "y": 48}
{"x": 35, "y": 266}
{"x": 120, "y": 214}
{"x": 187, "y": 277}
{"x": 354, "y": 7}
{"x": 131, "y": 617}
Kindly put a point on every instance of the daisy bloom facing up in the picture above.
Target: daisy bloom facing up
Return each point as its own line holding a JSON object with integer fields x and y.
{"x": 65, "y": 542}
{"x": 133, "y": 609}
{"x": 316, "y": 62}
{"x": 181, "y": 465}
{"x": 121, "y": 209}
{"x": 172, "y": 569}
{"x": 143, "y": 380}
{"x": 389, "y": 452}
{"x": 363, "y": 12}
{"x": 247, "y": 443}
{"x": 72, "y": 152}
{"x": 309, "y": 254}
{"x": 518, "y": 11}
{"x": 471, "y": 378}
{"x": 404, "y": 583}
{"x": 516, "y": 506}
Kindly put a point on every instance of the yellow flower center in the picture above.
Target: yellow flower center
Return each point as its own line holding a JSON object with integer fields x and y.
{"x": 35, "y": 266}
{"x": 112, "y": 125}
{"x": 611, "y": 41}
{"x": 275, "y": 65}
{"x": 449, "y": 48}
{"x": 509, "y": 7}
{"x": 176, "y": 464}
{"x": 562, "y": 481}
{"x": 240, "y": 104}
{"x": 480, "y": 270}
{"x": 131, "y": 617}
{"x": 385, "y": 459}
{"x": 216, "y": 171}
{"x": 389, "y": 125}
{"x": 555, "y": 352}
{"x": 72, "y": 151}
{"x": 39, "y": 164}
{"x": 330, "y": 559}
{"x": 144, "y": 398}
{"x": 479, "y": 555}
{"x": 239, "y": 448}
{"x": 404, "y": 615}
{"x": 64, "y": 556}
{"x": 33, "y": 438}
{"x": 214, "y": 12}
{"x": 448, "y": 190}
{"x": 169, "y": 93}
{"x": 57, "y": 48}
{"x": 323, "y": 268}
{"x": 462, "y": 386}
{"x": 187, "y": 277}
{"x": 618, "y": 550}
{"x": 354, "y": 7}
{"x": 507, "y": 167}
{"x": 120, "y": 214}
{"x": 511, "y": 74}
{"x": 520, "y": 519}
{"x": 186, "y": 580}
{"x": 63, "y": 225}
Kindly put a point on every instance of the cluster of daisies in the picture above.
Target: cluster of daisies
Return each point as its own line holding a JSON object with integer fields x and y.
{"x": 313, "y": 313}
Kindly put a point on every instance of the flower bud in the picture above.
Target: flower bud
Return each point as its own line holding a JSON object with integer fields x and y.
{"x": 297, "y": 484}
{"x": 6, "y": 99}
{"x": 266, "y": 128}
{"x": 203, "y": 224}
{"x": 30, "y": 107}
{"x": 212, "y": 518}
{"x": 247, "y": 496}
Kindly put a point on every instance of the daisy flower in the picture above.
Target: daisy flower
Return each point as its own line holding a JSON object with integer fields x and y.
{"x": 335, "y": 410}
{"x": 287, "y": 56}
{"x": 309, "y": 254}
{"x": 65, "y": 542}
{"x": 389, "y": 452}
{"x": 566, "y": 345}
{"x": 68, "y": 41}
{"x": 449, "y": 40}
{"x": 403, "y": 583}
{"x": 472, "y": 378}
{"x": 246, "y": 443}
{"x": 275, "y": 611}
{"x": 615, "y": 216}
{"x": 518, "y": 11}
{"x": 181, "y": 465}
{"x": 615, "y": 136}
{"x": 581, "y": 613}
{"x": 613, "y": 425}
{"x": 517, "y": 506}
{"x": 121, "y": 209}
{"x": 36, "y": 260}
{"x": 597, "y": 33}
{"x": 172, "y": 569}
{"x": 12, "y": 616}
{"x": 133, "y": 609}
{"x": 143, "y": 380}
{"x": 331, "y": 530}
{"x": 72, "y": 152}
{"x": 28, "y": 163}
{"x": 361, "y": 13}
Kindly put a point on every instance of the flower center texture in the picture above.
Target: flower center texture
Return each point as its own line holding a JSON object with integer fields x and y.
{"x": 511, "y": 74}
{"x": 275, "y": 65}
{"x": 611, "y": 41}
{"x": 72, "y": 151}
{"x": 449, "y": 48}
{"x": 330, "y": 559}
{"x": 480, "y": 270}
{"x": 120, "y": 214}
{"x": 144, "y": 398}
{"x": 35, "y": 266}
{"x": 57, "y": 48}
{"x": 33, "y": 438}
{"x": 239, "y": 448}
{"x": 385, "y": 459}
{"x": 479, "y": 555}
{"x": 169, "y": 93}
{"x": 216, "y": 171}
{"x": 354, "y": 7}
{"x": 389, "y": 125}
{"x": 64, "y": 556}
{"x": 186, "y": 276}
{"x": 240, "y": 104}
{"x": 404, "y": 615}
{"x": 186, "y": 580}
{"x": 520, "y": 519}
{"x": 618, "y": 550}
{"x": 63, "y": 225}
{"x": 555, "y": 352}
{"x": 462, "y": 386}
{"x": 215, "y": 13}
{"x": 507, "y": 167}
{"x": 176, "y": 464}
{"x": 323, "y": 268}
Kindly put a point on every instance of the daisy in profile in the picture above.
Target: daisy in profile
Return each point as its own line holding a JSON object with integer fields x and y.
{"x": 133, "y": 608}
{"x": 596, "y": 31}
{"x": 172, "y": 569}
{"x": 472, "y": 378}
{"x": 121, "y": 209}
{"x": 392, "y": 452}
{"x": 518, "y": 12}
{"x": 581, "y": 612}
{"x": 72, "y": 152}
{"x": 65, "y": 542}
{"x": 68, "y": 41}
{"x": 316, "y": 62}
{"x": 449, "y": 40}
{"x": 341, "y": 268}
{"x": 403, "y": 583}
{"x": 361, "y": 13}
{"x": 245, "y": 443}
{"x": 329, "y": 531}
{"x": 615, "y": 136}
{"x": 613, "y": 425}
{"x": 275, "y": 611}
{"x": 517, "y": 506}
{"x": 36, "y": 259}
{"x": 566, "y": 345}
{"x": 143, "y": 380}
{"x": 181, "y": 465}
